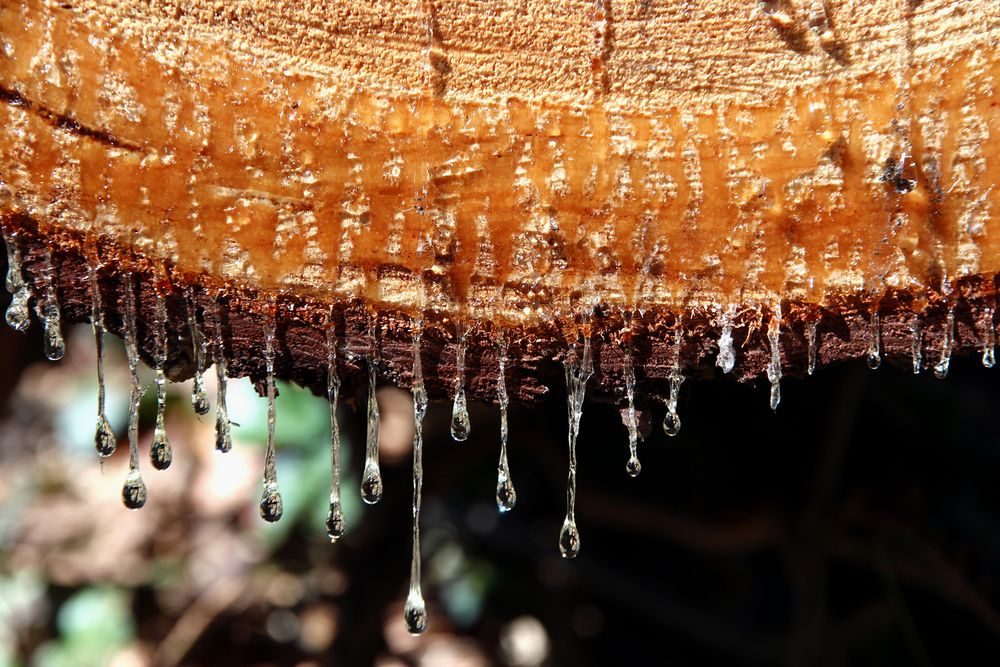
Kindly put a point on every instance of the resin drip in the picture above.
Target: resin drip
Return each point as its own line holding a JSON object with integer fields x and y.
{"x": 160, "y": 454}
{"x": 335, "y": 517}
{"x": 916, "y": 345}
{"x": 223, "y": 438}
{"x": 947, "y": 343}
{"x": 104, "y": 437}
{"x": 134, "y": 490}
{"x": 577, "y": 374}
{"x": 774, "y": 365}
{"x": 199, "y": 399}
{"x": 48, "y": 311}
{"x": 371, "y": 477}
{"x": 672, "y": 421}
{"x": 874, "y": 341}
{"x": 989, "y": 342}
{"x": 460, "y": 425}
{"x": 727, "y": 357}
{"x": 632, "y": 466}
{"x": 270, "y": 502}
{"x": 18, "y": 314}
{"x": 811, "y": 343}
{"x": 415, "y": 611}
{"x": 506, "y": 496}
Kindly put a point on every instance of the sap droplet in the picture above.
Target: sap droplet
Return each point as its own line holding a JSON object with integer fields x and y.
{"x": 223, "y": 437}
{"x": 569, "y": 538}
{"x": 199, "y": 398}
{"x": 271, "y": 507}
{"x": 989, "y": 343}
{"x": 48, "y": 311}
{"x": 18, "y": 313}
{"x": 916, "y": 345}
{"x": 160, "y": 454}
{"x": 506, "y": 496}
{"x": 727, "y": 357}
{"x": 774, "y": 365}
{"x": 270, "y": 502}
{"x": 415, "y": 613}
{"x": 134, "y": 491}
{"x": 104, "y": 438}
{"x": 811, "y": 343}
{"x": 671, "y": 423}
{"x": 633, "y": 467}
{"x": 460, "y": 424}
{"x": 874, "y": 341}
{"x": 371, "y": 484}
{"x": 335, "y": 519}
{"x": 335, "y": 524}
{"x": 947, "y": 343}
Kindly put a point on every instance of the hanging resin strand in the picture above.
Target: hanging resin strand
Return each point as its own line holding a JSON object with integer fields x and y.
{"x": 223, "y": 438}
{"x": 874, "y": 341}
{"x": 335, "y": 518}
{"x": 506, "y": 496}
{"x": 134, "y": 490}
{"x": 672, "y": 421}
{"x": 371, "y": 477}
{"x": 18, "y": 314}
{"x": 577, "y": 374}
{"x": 727, "y": 357}
{"x": 947, "y": 343}
{"x": 199, "y": 399}
{"x": 270, "y": 501}
{"x": 104, "y": 437}
{"x": 989, "y": 343}
{"x": 916, "y": 345}
{"x": 48, "y": 311}
{"x": 460, "y": 425}
{"x": 811, "y": 344}
{"x": 160, "y": 454}
{"x": 774, "y": 365}
{"x": 415, "y": 611}
{"x": 632, "y": 466}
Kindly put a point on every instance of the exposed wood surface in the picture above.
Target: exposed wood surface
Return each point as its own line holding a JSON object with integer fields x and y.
{"x": 517, "y": 165}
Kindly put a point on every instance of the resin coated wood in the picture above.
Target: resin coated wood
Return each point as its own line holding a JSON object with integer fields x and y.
{"x": 519, "y": 163}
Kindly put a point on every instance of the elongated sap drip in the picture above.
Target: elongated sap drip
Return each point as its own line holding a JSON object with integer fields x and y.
{"x": 48, "y": 311}
{"x": 371, "y": 477}
{"x": 415, "y": 611}
{"x": 223, "y": 437}
{"x": 460, "y": 425}
{"x": 270, "y": 501}
{"x": 672, "y": 421}
{"x": 104, "y": 437}
{"x": 506, "y": 496}
{"x": 727, "y": 357}
{"x": 335, "y": 518}
{"x": 916, "y": 344}
{"x": 874, "y": 341}
{"x": 18, "y": 313}
{"x": 632, "y": 466}
{"x": 134, "y": 490}
{"x": 577, "y": 374}
{"x": 199, "y": 399}
{"x": 989, "y": 341}
{"x": 947, "y": 343}
{"x": 774, "y": 365}
{"x": 160, "y": 454}
{"x": 811, "y": 344}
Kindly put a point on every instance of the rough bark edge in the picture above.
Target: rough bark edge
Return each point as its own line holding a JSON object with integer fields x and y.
{"x": 535, "y": 353}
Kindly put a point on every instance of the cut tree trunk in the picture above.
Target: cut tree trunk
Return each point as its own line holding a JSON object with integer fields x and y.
{"x": 534, "y": 171}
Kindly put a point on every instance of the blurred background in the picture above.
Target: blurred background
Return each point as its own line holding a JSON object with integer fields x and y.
{"x": 860, "y": 525}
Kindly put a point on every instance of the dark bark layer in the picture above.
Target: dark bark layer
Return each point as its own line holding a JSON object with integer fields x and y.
{"x": 843, "y": 330}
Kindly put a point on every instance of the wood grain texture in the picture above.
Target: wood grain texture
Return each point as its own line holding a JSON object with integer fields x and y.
{"x": 517, "y": 164}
